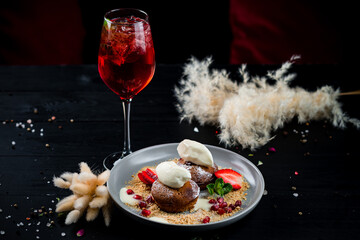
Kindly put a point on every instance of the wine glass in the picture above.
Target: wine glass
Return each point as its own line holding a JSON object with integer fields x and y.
{"x": 126, "y": 62}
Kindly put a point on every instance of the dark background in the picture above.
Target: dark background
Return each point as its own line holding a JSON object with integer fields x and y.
{"x": 46, "y": 32}
{"x": 180, "y": 28}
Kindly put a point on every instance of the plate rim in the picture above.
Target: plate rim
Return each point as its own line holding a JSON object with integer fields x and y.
{"x": 228, "y": 220}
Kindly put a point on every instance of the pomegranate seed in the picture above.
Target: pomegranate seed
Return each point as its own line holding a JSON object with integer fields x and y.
{"x": 149, "y": 199}
{"x": 220, "y": 200}
{"x": 212, "y": 201}
{"x": 227, "y": 209}
{"x": 138, "y": 197}
{"x": 145, "y": 212}
{"x": 220, "y": 211}
{"x": 214, "y": 207}
{"x": 206, "y": 219}
{"x": 142, "y": 204}
{"x": 238, "y": 203}
{"x": 129, "y": 191}
{"x": 222, "y": 205}
{"x": 232, "y": 206}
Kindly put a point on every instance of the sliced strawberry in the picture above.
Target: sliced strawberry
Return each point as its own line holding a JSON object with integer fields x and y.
{"x": 143, "y": 179}
{"x": 147, "y": 177}
{"x": 151, "y": 174}
{"x": 230, "y": 176}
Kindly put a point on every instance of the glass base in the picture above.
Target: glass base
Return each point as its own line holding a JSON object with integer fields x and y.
{"x": 111, "y": 159}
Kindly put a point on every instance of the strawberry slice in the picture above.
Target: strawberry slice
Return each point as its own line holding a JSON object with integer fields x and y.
{"x": 151, "y": 174}
{"x": 230, "y": 176}
{"x": 143, "y": 179}
{"x": 147, "y": 177}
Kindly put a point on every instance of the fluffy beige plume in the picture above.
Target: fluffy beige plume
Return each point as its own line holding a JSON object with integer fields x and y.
{"x": 82, "y": 202}
{"x": 73, "y": 217}
{"x": 67, "y": 176}
{"x": 249, "y": 112}
{"x": 89, "y": 194}
{"x": 103, "y": 177}
{"x": 106, "y": 210}
{"x": 92, "y": 213}
{"x": 202, "y": 93}
{"x": 60, "y": 183}
{"x": 66, "y": 204}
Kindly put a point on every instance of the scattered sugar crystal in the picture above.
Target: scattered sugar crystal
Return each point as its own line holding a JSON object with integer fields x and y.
{"x": 38, "y": 223}
{"x": 37, "y": 237}
{"x": 295, "y": 194}
{"x": 41, "y": 130}
{"x": 196, "y": 129}
{"x": 63, "y": 234}
{"x": 2, "y": 232}
{"x": 265, "y": 192}
{"x": 32, "y": 130}
{"x": 13, "y": 143}
{"x": 1, "y": 210}
{"x": 29, "y": 121}
{"x": 41, "y": 134}
{"x": 37, "y": 230}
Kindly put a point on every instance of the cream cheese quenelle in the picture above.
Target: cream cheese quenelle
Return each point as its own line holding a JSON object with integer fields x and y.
{"x": 195, "y": 152}
{"x": 172, "y": 175}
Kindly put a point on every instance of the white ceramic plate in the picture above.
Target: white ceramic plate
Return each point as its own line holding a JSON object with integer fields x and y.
{"x": 124, "y": 168}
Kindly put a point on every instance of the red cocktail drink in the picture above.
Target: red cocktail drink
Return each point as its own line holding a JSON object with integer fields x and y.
{"x": 126, "y": 58}
{"x": 126, "y": 62}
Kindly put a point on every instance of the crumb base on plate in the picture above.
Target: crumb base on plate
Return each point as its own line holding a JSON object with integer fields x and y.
{"x": 188, "y": 217}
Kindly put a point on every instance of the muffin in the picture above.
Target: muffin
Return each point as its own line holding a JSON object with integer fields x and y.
{"x": 175, "y": 200}
{"x": 201, "y": 175}
{"x": 174, "y": 191}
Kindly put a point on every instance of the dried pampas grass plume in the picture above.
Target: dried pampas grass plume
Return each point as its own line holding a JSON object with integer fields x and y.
{"x": 202, "y": 93}
{"x": 89, "y": 195}
{"x": 247, "y": 113}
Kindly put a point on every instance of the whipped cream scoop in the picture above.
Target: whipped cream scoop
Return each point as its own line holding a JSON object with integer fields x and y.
{"x": 172, "y": 175}
{"x": 195, "y": 152}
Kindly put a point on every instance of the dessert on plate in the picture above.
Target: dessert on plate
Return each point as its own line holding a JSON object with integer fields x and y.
{"x": 186, "y": 190}
{"x": 174, "y": 191}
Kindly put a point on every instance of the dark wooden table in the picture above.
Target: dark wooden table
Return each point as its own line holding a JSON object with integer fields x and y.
{"x": 313, "y": 188}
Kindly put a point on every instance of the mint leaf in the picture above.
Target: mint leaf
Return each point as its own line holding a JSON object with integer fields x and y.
{"x": 211, "y": 187}
{"x": 227, "y": 188}
{"x": 219, "y": 183}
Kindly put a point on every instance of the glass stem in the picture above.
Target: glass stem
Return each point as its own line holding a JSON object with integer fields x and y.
{"x": 126, "y": 109}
